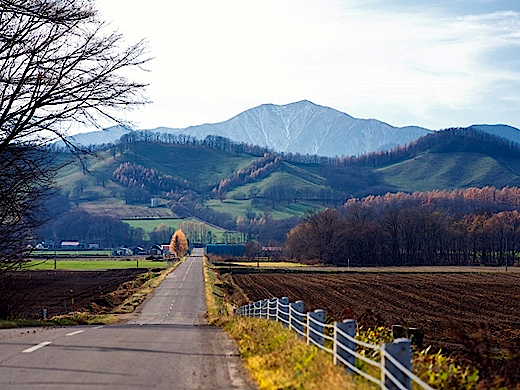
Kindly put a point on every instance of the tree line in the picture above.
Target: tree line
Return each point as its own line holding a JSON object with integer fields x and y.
{"x": 136, "y": 176}
{"x": 255, "y": 171}
{"x": 461, "y": 227}
{"x": 108, "y": 232}
{"x": 127, "y": 142}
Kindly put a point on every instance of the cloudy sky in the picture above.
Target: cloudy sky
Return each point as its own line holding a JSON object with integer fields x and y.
{"x": 435, "y": 64}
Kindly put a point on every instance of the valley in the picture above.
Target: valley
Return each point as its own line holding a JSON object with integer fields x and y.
{"x": 249, "y": 191}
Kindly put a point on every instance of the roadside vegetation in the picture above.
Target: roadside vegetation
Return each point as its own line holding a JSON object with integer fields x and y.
{"x": 274, "y": 356}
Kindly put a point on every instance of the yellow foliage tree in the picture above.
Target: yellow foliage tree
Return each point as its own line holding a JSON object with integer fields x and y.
{"x": 179, "y": 244}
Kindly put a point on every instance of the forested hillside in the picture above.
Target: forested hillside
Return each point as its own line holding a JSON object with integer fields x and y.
{"x": 262, "y": 194}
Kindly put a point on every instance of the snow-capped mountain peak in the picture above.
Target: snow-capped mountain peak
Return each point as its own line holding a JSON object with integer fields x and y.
{"x": 301, "y": 127}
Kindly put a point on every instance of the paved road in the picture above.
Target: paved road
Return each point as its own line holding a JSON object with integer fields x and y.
{"x": 166, "y": 346}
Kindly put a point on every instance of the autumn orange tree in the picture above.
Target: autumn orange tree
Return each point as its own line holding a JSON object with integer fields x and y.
{"x": 179, "y": 244}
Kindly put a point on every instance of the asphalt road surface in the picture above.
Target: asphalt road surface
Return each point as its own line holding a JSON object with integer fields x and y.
{"x": 166, "y": 346}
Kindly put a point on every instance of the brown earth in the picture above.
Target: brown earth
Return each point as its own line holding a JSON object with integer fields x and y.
{"x": 475, "y": 316}
{"x": 28, "y": 293}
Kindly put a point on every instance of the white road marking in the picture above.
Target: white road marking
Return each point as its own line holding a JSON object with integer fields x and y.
{"x": 98, "y": 327}
{"x": 75, "y": 333}
{"x": 36, "y": 347}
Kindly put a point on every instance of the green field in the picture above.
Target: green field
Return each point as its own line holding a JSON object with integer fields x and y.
{"x": 71, "y": 253}
{"x": 149, "y": 225}
{"x": 239, "y": 208}
{"x": 279, "y": 178}
{"x": 88, "y": 265}
{"x": 101, "y": 169}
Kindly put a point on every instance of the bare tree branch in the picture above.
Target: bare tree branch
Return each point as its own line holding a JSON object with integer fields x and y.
{"x": 58, "y": 64}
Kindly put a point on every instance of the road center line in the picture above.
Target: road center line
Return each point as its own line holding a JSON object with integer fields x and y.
{"x": 36, "y": 347}
{"x": 75, "y": 333}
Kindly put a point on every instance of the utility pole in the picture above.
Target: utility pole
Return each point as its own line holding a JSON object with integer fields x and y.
{"x": 258, "y": 252}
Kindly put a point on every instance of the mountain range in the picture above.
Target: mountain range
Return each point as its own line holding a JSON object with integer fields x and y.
{"x": 302, "y": 127}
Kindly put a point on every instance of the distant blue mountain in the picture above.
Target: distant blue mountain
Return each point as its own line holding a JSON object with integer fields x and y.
{"x": 504, "y": 131}
{"x": 302, "y": 127}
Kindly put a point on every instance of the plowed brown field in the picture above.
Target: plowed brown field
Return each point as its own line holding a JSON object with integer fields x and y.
{"x": 447, "y": 307}
{"x": 29, "y": 292}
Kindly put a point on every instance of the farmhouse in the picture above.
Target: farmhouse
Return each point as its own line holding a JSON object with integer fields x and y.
{"x": 122, "y": 251}
{"x": 138, "y": 250}
{"x": 155, "y": 250}
{"x": 72, "y": 245}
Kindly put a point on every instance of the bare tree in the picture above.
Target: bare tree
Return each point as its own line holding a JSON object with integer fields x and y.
{"x": 25, "y": 176}
{"x": 59, "y": 65}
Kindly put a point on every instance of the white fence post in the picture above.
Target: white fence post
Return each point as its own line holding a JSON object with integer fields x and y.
{"x": 400, "y": 350}
{"x": 342, "y": 345}
{"x": 308, "y": 329}
{"x": 272, "y": 308}
{"x": 316, "y": 332}
{"x": 263, "y": 308}
{"x": 283, "y": 311}
{"x": 297, "y": 315}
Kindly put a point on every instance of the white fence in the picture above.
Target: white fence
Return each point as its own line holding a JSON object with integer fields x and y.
{"x": 391, "y": 372}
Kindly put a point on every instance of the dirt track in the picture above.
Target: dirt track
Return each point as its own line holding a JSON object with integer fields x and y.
{"x": 36, "y": 290}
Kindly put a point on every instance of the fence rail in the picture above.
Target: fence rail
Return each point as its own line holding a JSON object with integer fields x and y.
{"x": 393, "y": 369}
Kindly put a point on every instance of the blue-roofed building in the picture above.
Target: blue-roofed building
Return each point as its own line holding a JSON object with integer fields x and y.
{"x": 226, "y": 249}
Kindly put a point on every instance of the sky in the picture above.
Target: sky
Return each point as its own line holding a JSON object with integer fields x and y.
{"x": 435, "y": 64}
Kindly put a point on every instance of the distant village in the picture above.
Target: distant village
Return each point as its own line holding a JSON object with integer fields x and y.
{"x": 222, "y": 249}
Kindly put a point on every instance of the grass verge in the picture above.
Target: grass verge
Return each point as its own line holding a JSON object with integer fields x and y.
{"x": 278, "y": 359}
{"x": 275, "y": 356}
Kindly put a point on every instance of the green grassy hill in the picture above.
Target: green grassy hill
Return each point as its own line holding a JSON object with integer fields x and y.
{"x": 429, "y": 171}
{"x": 201, "y": 166}
{"x": 444, "y": 160}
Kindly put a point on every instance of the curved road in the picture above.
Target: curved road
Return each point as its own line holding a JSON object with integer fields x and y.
{"x": 166, "y": 346}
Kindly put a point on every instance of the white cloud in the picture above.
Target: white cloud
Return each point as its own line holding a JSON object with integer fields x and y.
{"x": 215, "y": 59}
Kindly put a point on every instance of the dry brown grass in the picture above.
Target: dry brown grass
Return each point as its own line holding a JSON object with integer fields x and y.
{"x": 278, "y": 359}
